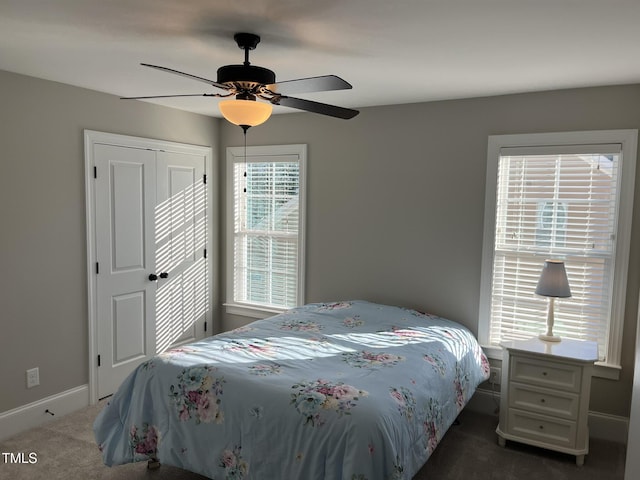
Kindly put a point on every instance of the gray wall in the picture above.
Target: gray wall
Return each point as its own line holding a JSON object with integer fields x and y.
{"x": 43, "y": 280}
{"x": 396, "y": 200}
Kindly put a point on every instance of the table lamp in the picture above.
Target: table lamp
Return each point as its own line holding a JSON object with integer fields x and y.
{"x": 553, "y": 283}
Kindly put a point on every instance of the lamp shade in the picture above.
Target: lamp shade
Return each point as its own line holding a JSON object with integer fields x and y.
{"x": 553, "y": 280}
{"x": 245, "y": 112}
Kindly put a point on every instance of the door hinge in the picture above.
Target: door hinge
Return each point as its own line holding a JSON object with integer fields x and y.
{"x": 204, "y": 178}
{"x": 99, "y": 363}
{"x": 95, "y": 172}
{"x": 97, "y": 268}
{"x": 205, "y": 326}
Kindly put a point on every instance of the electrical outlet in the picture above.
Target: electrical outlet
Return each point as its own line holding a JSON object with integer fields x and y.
{"x": 495, "y": 375}
{"x": 33, "y": 377}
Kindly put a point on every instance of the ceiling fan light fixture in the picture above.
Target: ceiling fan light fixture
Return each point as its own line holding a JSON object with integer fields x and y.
{"x": 245, "y": 112}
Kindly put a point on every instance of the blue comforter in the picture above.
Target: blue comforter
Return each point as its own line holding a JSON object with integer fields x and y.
{"x": 349, "y": 390}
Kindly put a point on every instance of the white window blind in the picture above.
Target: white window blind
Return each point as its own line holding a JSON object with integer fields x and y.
{"x": 267, "y": 230}
{"x": 560, "y": 205}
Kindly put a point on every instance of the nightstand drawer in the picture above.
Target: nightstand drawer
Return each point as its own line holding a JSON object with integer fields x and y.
{"x": 554, "y": 375}
{"x": 544, "y": 401}
{"x": 541, "y": 428}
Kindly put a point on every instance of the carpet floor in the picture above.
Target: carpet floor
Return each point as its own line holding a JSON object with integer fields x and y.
{"x": 65, "y": 449}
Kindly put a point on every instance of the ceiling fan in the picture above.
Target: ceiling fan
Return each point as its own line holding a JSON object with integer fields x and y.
{"x": 249, "y": 82}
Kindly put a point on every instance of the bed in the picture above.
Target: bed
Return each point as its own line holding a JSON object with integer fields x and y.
{"x": 347, "y": 390}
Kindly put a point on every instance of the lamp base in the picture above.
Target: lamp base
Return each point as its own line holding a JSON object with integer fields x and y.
{"x": 549, "y": 338}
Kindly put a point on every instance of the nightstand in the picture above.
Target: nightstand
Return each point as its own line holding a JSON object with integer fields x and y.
{"x": 545, "y": 394}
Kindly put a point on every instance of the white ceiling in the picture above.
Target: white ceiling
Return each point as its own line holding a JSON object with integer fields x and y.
{"x": 391, "y": 51}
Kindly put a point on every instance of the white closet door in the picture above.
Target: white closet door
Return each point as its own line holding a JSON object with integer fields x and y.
{"x": 147, "y": 240}
{"x": 125, "y": 202}
{"x": 182, "y": 300}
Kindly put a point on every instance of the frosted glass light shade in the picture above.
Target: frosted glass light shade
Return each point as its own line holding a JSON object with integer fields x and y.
{"x": 245, "y": 112}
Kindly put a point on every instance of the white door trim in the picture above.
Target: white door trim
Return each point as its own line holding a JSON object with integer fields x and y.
{"x": 632, "y": 466}
{"x": 92, "y": 138}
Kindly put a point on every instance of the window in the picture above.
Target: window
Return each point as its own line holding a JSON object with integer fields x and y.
{"x": 552, "y": 223}
{"x": 265, "y": 241}
{"x": 565, "y": 196}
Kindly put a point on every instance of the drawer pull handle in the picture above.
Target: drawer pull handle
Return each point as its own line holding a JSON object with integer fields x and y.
{"x": 541, "y": 427}
{"x": 544, "y": 374}
{"x": 542, "y": 400}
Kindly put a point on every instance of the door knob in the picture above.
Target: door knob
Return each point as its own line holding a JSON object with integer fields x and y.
{"x": 164, "y": 275}
{"x": 153, "y": 277}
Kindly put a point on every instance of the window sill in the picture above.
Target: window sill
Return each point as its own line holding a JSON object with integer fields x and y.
{"x": 600, "y": 370}
{"x": 252, "y": 311}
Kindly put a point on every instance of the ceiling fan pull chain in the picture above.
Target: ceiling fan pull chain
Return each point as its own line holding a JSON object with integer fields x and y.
{"x": 244, "y": 129}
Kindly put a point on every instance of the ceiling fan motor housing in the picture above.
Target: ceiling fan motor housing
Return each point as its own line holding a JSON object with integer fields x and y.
{"x": 246, "y": 75}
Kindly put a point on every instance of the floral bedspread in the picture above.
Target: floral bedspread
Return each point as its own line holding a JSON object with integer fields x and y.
{"x": 349, "y": 390}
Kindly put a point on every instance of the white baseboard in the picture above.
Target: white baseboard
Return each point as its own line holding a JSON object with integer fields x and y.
{"x": 34, "y": 414}
{"x": 485, "y": 401}
{"x": 603, "y": 426}
{"x": 608, "y": 427}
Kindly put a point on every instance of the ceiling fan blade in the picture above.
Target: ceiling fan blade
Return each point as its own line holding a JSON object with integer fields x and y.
{"x": 316, "y": 107}
{"x": 311, "y": 84}
{"x": 180, "y": 95}
{"x": 188, "y": 75}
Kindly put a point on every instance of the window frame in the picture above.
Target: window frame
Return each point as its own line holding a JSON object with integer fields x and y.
{"x": 237, "y": 155}
{"x": 628, "y": 141}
